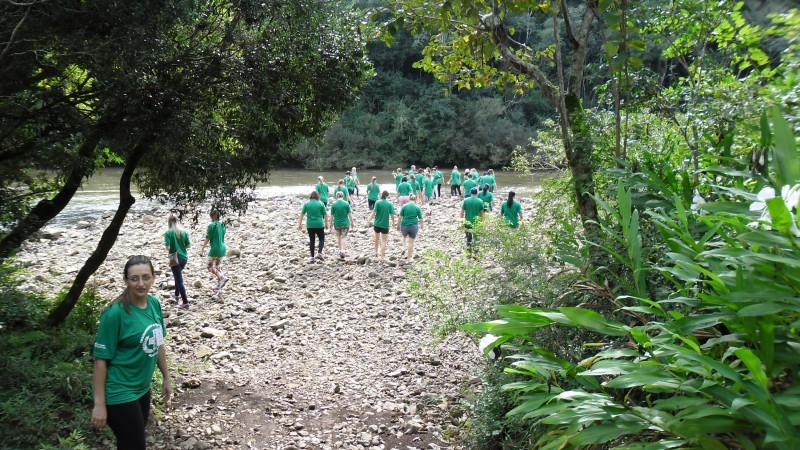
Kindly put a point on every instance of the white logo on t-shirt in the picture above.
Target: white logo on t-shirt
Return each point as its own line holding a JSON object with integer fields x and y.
{"x": 152, "y": 338}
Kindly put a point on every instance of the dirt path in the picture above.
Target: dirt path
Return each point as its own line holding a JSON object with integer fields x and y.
{"x": 292, "y": 355}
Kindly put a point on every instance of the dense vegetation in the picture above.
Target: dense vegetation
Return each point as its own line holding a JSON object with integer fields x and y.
{"x": 669, "y": 318}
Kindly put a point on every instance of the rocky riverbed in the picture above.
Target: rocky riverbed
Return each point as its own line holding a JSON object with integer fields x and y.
{"x": 291, "y": 355}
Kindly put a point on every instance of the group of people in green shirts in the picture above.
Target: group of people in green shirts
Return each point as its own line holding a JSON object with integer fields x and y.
{"x": 414, "y": 188}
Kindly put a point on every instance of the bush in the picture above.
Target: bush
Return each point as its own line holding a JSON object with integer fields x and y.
{"x": 45, "y": 381}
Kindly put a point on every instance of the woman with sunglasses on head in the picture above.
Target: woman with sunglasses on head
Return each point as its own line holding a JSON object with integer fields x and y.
{"x": 128, "y": 347}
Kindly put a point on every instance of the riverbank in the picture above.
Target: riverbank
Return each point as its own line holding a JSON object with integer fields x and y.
{"x": 292, "y": 355}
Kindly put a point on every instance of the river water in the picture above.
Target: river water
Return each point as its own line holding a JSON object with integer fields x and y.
{"x": 100, "y": 194}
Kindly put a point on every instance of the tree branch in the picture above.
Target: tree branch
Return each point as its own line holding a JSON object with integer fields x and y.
{"x": 579, "y": 56}
{"x": 570, "y": 36}
{"x": 16, "y": 29}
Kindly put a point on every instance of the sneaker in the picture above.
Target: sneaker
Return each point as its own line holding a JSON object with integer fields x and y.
{"x": 183, "y": 306}
{"x": 341, "y": 255}
{"x": 223, "y": 283}
{"x": 320, "y": 256}
{"x": 312, "y": 260}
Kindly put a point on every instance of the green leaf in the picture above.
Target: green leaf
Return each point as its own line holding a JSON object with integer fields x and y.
{"x": 766, "y": 308}
{"x": 753, "y": 364}
{"x": 598, "y": 434}
{"x": 592, "y": 320}
{"x": 787, "y": 162}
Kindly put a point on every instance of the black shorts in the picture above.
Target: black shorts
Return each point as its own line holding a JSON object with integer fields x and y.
{"x": 380, "y": 230}
{"x": 351, "y": 191}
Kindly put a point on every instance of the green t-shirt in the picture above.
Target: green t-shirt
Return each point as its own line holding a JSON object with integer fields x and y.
{"x": 373, "y": 191}
{"x": 404, "y": 188}
{"x": 428, "y": 187}
{"x": 341, "y": 189}
{"x": 177, "y": 244}
{"x": 410, "y": 214}
{"x": 315, "y": 214}
{"x": 413, "y": 183}
{"x": 340, "y": 210}
{"x": 397, "y": 180}
{"x": 511, "y": 214}
{"x": 438, "y": 177}
{"x": 322, "y": 189}
{"x": 130, "y": 343}
{"x": 489, "y": 179}
{"x": 215, "y": 233}
{"x": 474, "y": 175}
{"x": 383, "y": 209}
{"x": 469, "y": 183}
{"x": 456, "y": 178}
{"x": 350, "y": 182}
{"x": 472, "y": 207}
{"x": 487, "y": 198}
{"x": 420, "y": 177}
{"x": 355, "y": 177}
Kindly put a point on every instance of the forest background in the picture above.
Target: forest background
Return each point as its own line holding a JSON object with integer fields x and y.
{"x": 659, "y": 310}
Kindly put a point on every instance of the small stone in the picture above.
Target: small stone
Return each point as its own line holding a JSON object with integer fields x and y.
{"x": 279, "y": 325}
{"x": 198, "y": 284}
{"x": 216, "y": 429}
{"x": 203, "y": 351}
{"x": 209, "y": 332}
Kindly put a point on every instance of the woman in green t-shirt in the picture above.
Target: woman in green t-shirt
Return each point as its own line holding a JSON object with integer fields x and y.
{"x": 176, "y": 239}
{"x": 511, "y": 210}
{"x": 384, "y": 209}
{"x": 128, "y": 347}
{"x": 215, "y": 236}
{"x": 487, "y": 197}
{"x": 410, "y": 224}
{"x": 373, "y": 190}
{"x": 315, "y": 224}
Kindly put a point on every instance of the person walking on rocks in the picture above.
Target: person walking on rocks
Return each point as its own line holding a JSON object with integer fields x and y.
{"x": 511, "y": 210}
{"x": 411, "y": 223}
{"x": 322, "y": 188}
{"x": 342, "y": 218}
{"x": 316, "y": 222}
{"x": 404, "y": 191}
{"x": 215, "y": 235}
{"x": 350, "y": 185}
{"x": 373, "y": 191}
{"x": 176, "y": 239}
{"x": 384, "y": 209}
{"x": 469, "y": 184}
{"x": 341, "y": 187}
{"x": 455, "y": 182}
{"x": 438, "y": 177}
{"x": 398, "y": 178}
{"x": 471, "y": 210}
{"x": 356, "y": 183}
{"x": 427, "y": 189}
{"x": 128, "y": 347}
{"x": 487, "y": 197}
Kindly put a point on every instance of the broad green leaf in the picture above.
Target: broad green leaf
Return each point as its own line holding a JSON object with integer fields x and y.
{"x": 766, "y": 308}
{"x": 753, "y": 364}
{"x": 598, "y": 434}
{"x": 592, "y": 320}
{"x": 781, "y": 217}
{"x": 787, "y": 161}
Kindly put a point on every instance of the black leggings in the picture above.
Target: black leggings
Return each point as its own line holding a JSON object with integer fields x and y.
{"x": 455, "y": 189}
{"x": 127, "y": 421}
{"x": 316, "y": 232}
{"x": 177, "y": 274}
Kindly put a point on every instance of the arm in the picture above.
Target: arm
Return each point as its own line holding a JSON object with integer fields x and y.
{"x": 300, "y": 222}
{"x": 166, "y": 385}
{"x": 203, "y": 248}
{"x": 99, "y": 412}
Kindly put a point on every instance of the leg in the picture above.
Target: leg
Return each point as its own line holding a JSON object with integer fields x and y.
{"x": 385, "y": 239}
{"x": 321, "y": 237}
{"x": 128, "y": 420}
{"x": 311, "y": 235}
{"x": 377, "y": 242}
{"x": 180, "y": 287}
{"x": 410, "y": 248}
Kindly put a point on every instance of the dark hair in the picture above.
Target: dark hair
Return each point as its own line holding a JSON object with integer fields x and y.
{"x": 125, "y": 298}
{"x": 385, "y": 195}
{"x": 485, "y": 188}
{"x": 314, "y": 195}
{"x": 405, "y": 178}
{"x": 510, "y": 201}
{"x": 214, "y": 215}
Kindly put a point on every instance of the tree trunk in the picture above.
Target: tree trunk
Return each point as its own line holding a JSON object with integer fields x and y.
{"x": 126, "y": 201}
{"x": 579, "y": 159}
{"x": 46, "y": 209}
